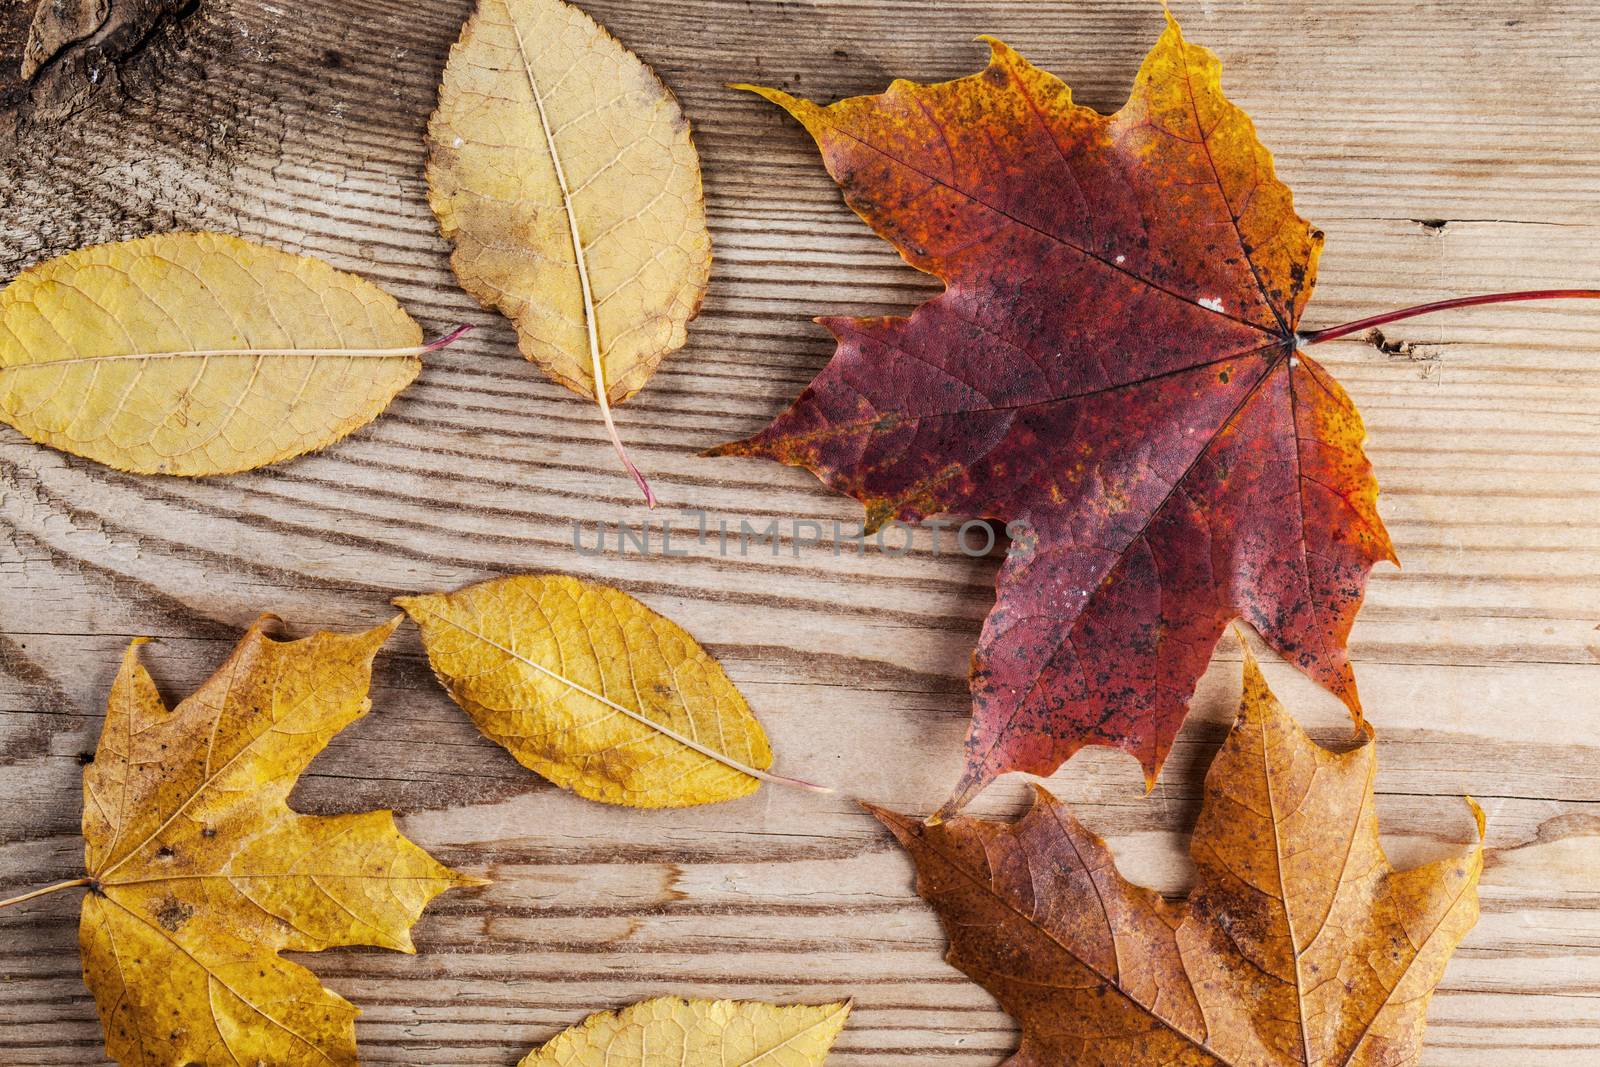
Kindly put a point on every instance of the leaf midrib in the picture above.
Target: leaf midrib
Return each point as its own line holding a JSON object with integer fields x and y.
{"x": 1216, "y": 174}
{"x": 579, "y": 254}
{"x": 1283, "y": 893}
{"x": 1059, "y": 398}
{"x": 636, "y": 716}
{"x": 412, "y": 352}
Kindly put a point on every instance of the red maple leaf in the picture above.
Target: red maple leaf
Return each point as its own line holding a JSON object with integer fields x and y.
{"x": 1114, "y": 363}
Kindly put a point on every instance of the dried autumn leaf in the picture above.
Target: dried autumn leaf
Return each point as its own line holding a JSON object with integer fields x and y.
{"x": 1114, "y": 364}
{"x": 197, "y": 353}
{"x": 587, "y": 686}
{"x": 1299, "y": 944}
{"x": 200, "y": 874}
{"x": 562, "y": 171}
{"x": 669, "y": 1032}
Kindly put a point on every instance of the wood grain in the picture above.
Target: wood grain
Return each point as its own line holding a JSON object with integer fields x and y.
{"x": 1445, "y": 148}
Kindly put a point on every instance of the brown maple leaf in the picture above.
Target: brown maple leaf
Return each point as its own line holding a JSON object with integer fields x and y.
{"x": 1298, "y": 945}
{"x": 1114, "y": 364}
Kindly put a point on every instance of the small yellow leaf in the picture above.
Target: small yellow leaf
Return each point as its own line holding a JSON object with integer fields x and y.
{"x": 200, "y": 873}
{"x": 593, "y": 690}
{"x": 670, "y": 1032}
{"x": 197, "y": 353}
{"x": 562, "y": 170}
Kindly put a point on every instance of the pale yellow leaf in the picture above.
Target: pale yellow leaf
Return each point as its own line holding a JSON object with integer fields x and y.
{"x": 200, "y": 874}
{"x": 197, "y": 353}
{"x": 593, "y": 690}
{"x": 562, "y": 170}
{"x": 670, "y": 1032}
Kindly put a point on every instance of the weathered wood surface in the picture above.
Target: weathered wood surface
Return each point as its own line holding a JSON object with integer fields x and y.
{"x": 1445, "y": 148}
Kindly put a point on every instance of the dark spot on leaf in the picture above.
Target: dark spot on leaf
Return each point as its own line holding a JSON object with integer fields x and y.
{"x": 173, "y": 914}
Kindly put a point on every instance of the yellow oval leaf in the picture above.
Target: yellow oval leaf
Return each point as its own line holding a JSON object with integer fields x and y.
{"x": 562, "y": 170}
{"x": 671, "y": 1032}
{"x": 197, "y": 353}
{"x": 200, "y": 873}
{"x": 593, "y": 690}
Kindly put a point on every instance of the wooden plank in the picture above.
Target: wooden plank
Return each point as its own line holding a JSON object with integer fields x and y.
{"x": 1444, "y": 148}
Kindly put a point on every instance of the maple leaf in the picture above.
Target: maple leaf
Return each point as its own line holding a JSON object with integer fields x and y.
{"x": 561, "y": 169}
{"x": 1299, "y": 944}
{"x": 596, "y": 692}
{"x": 200, "y": 874}
{"x": 198, "y": 353}
{"x": 670, "y": 1032}
{"x": 1114, "y": 365}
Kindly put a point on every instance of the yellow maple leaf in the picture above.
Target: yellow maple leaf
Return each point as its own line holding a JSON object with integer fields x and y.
{"x": 200, "y": 874}
{"x": 563, "y": 172}
{"x": 671, "y": 1032}
{"x": 593, "y": 690}
{"x": 197, "y": 353}
{"x": 1299, "y": 943}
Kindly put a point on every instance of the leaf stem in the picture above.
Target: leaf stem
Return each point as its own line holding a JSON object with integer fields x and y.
{"x": 616, "y": 439}
{"x": 450, "y": 338}
{"x": 73, "y": 884}
{"x": 1316, "y": 337}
